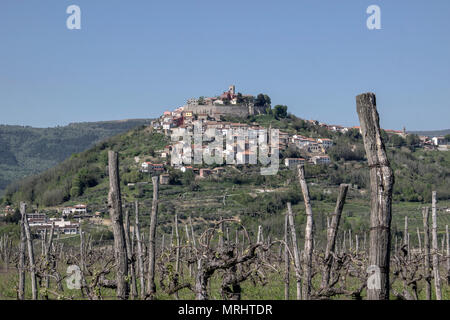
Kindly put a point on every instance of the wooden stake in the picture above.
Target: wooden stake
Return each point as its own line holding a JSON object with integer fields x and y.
{"x": 140, "y": 253}
{"x": 381, "y": 183}
{"x": 115, "y": 212}
{"x": 296, "y": 253}
{"x": 151, "y": 287}
{"x": 437, "y": 277}
{"x": 23, "y": 239}
{"x": 307, "y": 257}
{"x": 34, "y": 290}
{"x": 332, "y": 234}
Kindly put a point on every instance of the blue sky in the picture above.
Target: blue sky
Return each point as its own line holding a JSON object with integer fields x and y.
{"x": 135, "y": 59}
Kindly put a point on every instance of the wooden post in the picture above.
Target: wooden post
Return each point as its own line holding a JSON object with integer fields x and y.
{"x": 151, "y": 287}
{"x": 194, "y": 242}
{"x": 128, "y": 243}
{"x": 426, "y": 247}
{"x": 48, "y": 247}
{"x": 381, "y": 183}
{"x": 177, "y": 252}
{"x": 332, "y": 234}
{"x": 34, "y": 291}
{"x": 448, "y": 255}
{"x": 115, "y": 212}
{"x": 140, "y": 253}
{"x": 23, "y": 239}
{"x": 286, "y": 259}
{"x": 296, "y": 253}
{"x": 437, "y": 277}
{"x": 221, "y": 233}
{"x": 420, "y": 240}
{"x": 307, "y": 257}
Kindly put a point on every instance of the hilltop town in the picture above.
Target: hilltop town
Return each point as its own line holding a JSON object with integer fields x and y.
{"x": 225, "y": 114}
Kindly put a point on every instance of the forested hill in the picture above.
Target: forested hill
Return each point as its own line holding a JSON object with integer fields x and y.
{"x": 26, "y": 150}
{"x": 434, "y": 133}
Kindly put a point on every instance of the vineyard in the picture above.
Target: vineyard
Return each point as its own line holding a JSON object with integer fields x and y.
{"x": 225, "y": 260}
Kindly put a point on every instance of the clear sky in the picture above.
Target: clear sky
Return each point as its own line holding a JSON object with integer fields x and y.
{"x": 135, "y": 59}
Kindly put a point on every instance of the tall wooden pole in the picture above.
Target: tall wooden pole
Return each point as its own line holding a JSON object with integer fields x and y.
{"x": 34, "y": 290}
{"x": 437, "y": 276}
{"x": 448, "y": 255}
{"x": 23, "y": 239}
{"x": 128, "y": 242}
{"x": 332, "y": 233}
{"x": 115, "y": 212}
{"x": 286, "y": 259}
{"x": 307, "y": 257}
{"x": 381, "y": 183}
{"x": 426, "y": 248}
{"x": 140, "y": 253}
{"x": 151, "y": 287}
{"x": 296, "y": 253}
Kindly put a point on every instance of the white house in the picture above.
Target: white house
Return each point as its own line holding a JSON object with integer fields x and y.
{"x": 321, "y": 159}
{"x": 438, "y": 141}
{"x": 293, "y": 162}
{"x": 326, "y": 142}
{"x": 78, "y": 209}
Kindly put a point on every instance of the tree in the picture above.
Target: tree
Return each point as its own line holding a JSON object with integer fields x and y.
{"x": 280, "y": 111}
{"x": 239, "y": 98}
{"x": 412, "y": 140}
{"x": 263, "y": 100}
{"x": 201, "y": 100}
{"x": 396, "y": 141}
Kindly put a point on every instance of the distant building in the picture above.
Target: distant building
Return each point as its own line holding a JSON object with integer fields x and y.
{"x": 164, "y": 179}
{"x": 205, "y": 172}
{"x": 326, "y": 142}
{"x": 293, "y": 162}
{"x": 321, "y": 160}
{"x": 439, "y": 141}
{"x": 79, "y": 209}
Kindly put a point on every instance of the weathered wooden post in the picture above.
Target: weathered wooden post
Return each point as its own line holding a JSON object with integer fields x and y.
{"x": 307, "y": 257}
{"x": 332, "y": 234}
{"x": 426, "y": 247}
{"x": 177, "y": 251}
{"x": 437, "y": 276}
{"x": 128, "y": 243}
{"x": 286, "y": 259}
{"x": 151, "y": 287}
{"x": 115, "y": 212}
{"x": 448, "y": 255}
{"x": 140, "y": 254}
{"x": 381, "y": 183}
{"x": 23, "y": 239}
{"x": 298, "y": 276}
{"x": 34, "y": 290}
{"x": 420, "y": 240}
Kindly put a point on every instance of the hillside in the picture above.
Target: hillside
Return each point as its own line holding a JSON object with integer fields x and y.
{"x": 432, "y": 133}
{"x": 241, "y": 190}
{"x": 26, "y": 151}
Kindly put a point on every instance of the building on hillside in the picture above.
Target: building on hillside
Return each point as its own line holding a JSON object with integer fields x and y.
{"x": 79, "y": 209}
{"x": 326, "y": 142}
{"x": 293, "y": 162}
{"x": 204, "y": 172}
{"x": 439, "y": 141}
{"x": 314, "y": 147}
{"x": 321, "y": 160}
{"x": 164, "y": 179}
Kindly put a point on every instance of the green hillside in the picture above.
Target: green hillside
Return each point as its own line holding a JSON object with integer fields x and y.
{"x": 25, "y": 151}
{"x": 241, "y": 190}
